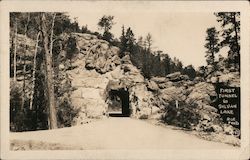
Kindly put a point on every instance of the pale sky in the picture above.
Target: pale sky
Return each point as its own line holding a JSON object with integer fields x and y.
{"x": 180, "y": 34}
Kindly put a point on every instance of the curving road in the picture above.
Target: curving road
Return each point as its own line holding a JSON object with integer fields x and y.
{"x": 120, "y": 133}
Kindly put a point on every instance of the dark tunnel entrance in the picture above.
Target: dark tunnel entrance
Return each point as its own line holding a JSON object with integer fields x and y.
{"x": 119, "y": 103}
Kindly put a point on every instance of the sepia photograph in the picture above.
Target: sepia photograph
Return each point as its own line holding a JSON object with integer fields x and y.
{"x": 124, "y": 76}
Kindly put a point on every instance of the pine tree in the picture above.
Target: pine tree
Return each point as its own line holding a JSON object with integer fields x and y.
{"x": 166, "y": 61}
{"x": 123, "y": 42}
{"x": 190, "y": 71}
{"x": 149, "y": 42}
{"x": 130, "y": 40}
{"x": 106, "y": 23}
{"x": 157, "y": 64}
{"x": 127, "y": 41}
{"x": 211, "y": 45}
{"x": 179, "y": 66}
{"x": 230, "y": 23}
{"x": 140, "y": 41}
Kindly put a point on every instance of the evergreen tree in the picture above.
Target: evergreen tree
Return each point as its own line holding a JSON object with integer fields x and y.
{"x": 62, "y": 24}
{"x": 123, "y": 41}
{"x": 230, "y": 23}
{"x": 71, "y": 48}
{"x": 84, "y": 29}
{"x": 211, "y": 45}
{"x": 157, "y": 64}
{"x": 127, "y": 41}
{"x": 179, "y": 66}
{"x": 75, "y": 26}
{"x": 140, "y": 41}
{"x": 190, "y": 71}
{"x": 148, "y": 42}
{"x": 167, "y": 60}
{"x": 106, "y": 23}
{"x": 130, "y": 40}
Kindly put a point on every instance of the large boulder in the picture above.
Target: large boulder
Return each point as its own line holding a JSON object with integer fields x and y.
{"x": 198, "y": 79}
{"x": 167, "y": 84}
{"x": 127, "y": 74}
{"x": 159, "y": 80}
{"x": 162, "y": 82}
{"x": 174, "y": 76}
{"x": 225, "y": 77}
{"x": 88, "y": 94}
{"x": 98, "y": 54}
{"x": 126, "y": 59}
{"x": 201, "y": 96}
{"x": 201, "y": 92}
{"x": 143, "y": 102}
{"x": 173, "y": 93}
{"x": 231, "y": 79}
{"x": 152, "y": 86}
{"x": 177, "y": 76}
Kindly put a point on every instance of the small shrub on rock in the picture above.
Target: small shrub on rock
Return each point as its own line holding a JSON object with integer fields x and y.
{"x": 143, "y": 116}
{"x": 66, "y": 113}
{"x": 184, "y": 116}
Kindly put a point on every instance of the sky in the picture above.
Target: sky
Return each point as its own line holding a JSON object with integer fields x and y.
{"x": 180, "y": 34}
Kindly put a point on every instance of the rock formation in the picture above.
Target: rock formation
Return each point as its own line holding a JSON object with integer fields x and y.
{"x": 175, "y": 99}
{"x": 98, "y": 69}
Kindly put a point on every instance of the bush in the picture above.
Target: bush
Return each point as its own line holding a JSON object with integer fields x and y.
{"x": 71, "y": 48}
{"x": 184, "y": 116}
{"x": 143, "y": 116}
{"x": 15, "y": 99}
{"x": 66, "y": 113}
{"x": 20, "y": 120}
{"x": 16, "y": 116}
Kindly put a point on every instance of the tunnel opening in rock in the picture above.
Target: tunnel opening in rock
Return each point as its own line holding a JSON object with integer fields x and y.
{"x": 119, "y": 103}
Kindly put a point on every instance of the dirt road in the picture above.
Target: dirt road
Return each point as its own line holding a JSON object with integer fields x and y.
{"x": 120, "y": 133}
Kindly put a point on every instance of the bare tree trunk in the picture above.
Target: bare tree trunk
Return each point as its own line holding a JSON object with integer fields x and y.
{"x": 236, "y": 33}
{"x": 24, "y": 63}
{"x": 15, "y": 50}
{"x": 24, "y": 76}
{"x": 34, "y": 72}
{"x": 49, "y": 71}
{"x": 236, "y": 40}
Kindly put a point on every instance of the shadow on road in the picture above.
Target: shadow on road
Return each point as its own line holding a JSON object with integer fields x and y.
{"x": 118, "y": 115}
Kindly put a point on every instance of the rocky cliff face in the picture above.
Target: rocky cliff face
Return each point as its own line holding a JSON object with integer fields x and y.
{"x": 97, "y": 69}
{"x": 98, "y": 54}
{"x": 174, "y": 99}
